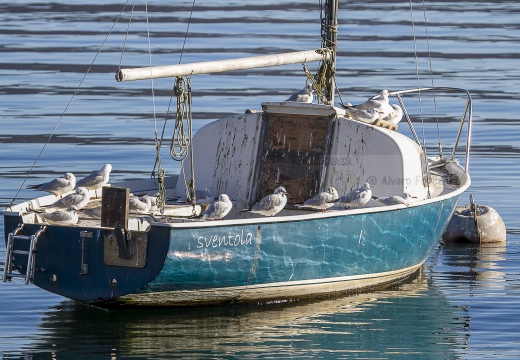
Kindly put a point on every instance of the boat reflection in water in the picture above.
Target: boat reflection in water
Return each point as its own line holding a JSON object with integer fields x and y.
{"x": 409, "y": 320}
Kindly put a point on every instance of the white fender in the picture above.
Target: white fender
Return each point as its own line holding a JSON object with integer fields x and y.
{"x": 463, "y": 227}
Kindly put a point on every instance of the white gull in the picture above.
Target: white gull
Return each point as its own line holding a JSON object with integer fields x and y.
{"x": 138, "y": 205}
{"x": 323, "y": 200}
{"x": 395, "y": 115}
{"x": 97, "y": 179}
{"x": 271, "y": 204}
{"x": 366, "y": 116}
{"x": 57, "y": 186}
{"x": 61, "y": 217}
{"x": 218, "y": 209}
{"x": 305, "y": 95}
{"x": 394, "y": 200}
{"x": 379, "y": 105}
{"x": 357, "y": 197}
{"x": 94, "y": 212}
{"x": 79, "y": 198}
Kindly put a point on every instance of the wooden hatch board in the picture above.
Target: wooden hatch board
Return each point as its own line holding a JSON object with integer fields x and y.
{"x": 293, "y": 155}
{"x": 115, "y": 207}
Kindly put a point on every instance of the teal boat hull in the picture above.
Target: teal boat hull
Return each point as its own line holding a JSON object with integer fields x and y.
{"x": 257, "y": 259}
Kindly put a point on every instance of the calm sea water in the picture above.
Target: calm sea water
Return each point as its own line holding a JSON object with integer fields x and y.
{"x": 464, "y": 304}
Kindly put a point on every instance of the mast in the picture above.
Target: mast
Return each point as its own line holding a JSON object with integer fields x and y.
{"x": 326, "y": 54}
{"x": 330, "y": 25}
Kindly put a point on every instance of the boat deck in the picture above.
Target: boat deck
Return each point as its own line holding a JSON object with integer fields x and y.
{"x": 443, "y": 180}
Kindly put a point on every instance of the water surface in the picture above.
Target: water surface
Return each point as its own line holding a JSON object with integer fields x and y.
{"x": 464, "y": 304}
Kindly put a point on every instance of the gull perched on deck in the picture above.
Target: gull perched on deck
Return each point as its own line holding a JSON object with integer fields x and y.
{"x": 153, "y": 201}
{"x": 79, "y": 198}
{"x": 271, "y": 204}
{"x": 395, "y": 115}
{"x": 61, "y": 217}
{"x": 366, "y": 116}
{"x": 58, "y": 186}
{"x": 357, "y": 197}
{"x": 218, "y": 209}
{"x": 141, "y": 205}
{"x": 323, "y": 200}
{"x": 94, "y": 212}
{"x": 305, "y": 95}
{"x": 394, "y": 200}
{"x": 379, "y": 105}
{"x": 97, "y": 179}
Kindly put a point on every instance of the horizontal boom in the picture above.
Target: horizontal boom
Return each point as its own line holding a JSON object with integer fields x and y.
{"x": 208, "y": 67}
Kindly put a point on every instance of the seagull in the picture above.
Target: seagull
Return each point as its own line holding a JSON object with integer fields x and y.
{"x": 357, "y": 197}
{"x": 58, "y": 186}
{"x": 94, "y": 212}
{"x": 323, "y": 200}
{"x": 218, "y": 209}
{"x": 305, "y": 95}
{"x": 153, "y": 202}
{"x": 61, "y": 217}
{"x": 366, "y": 116}
{"x": 97, "y": 179}
{"x": 271, "y": 204}
{"x": 79, "y": 198}
{"x": 394, "y": 200}
{"x": 142, "y": 206}
{"x": 395, "y": 115}
{"x": 380, "y": 105}
{"x": 203, "y": 196}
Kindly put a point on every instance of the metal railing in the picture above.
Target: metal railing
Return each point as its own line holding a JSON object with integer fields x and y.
{"x": 468, "y": 113}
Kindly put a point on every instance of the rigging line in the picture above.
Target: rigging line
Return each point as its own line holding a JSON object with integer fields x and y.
{"x": 187, "y": 30}
{"x": 173, "y": 88}
{"x": 160, "y": 171}
{"x": 68, "y": 104}
{"x": 151, "y": 77}
{"x": 420, "y": 97}
{"x": 126, "y": 35}
{"x": 417, "y": 73}
{"x": 431, "y": 77}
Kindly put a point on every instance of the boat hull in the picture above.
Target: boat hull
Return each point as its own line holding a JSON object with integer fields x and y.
{"x": 279, "y": 261}
{"x": 253, "y": 260}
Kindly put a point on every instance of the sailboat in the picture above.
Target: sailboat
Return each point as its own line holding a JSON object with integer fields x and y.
{"x": 175, "y": 254}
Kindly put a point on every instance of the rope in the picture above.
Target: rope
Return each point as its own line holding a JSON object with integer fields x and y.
{"x": 161, "y": 198}
{"x": 181, "y": 137}
{"x": 67, "y": 106}
{"x": 327, "y": 67}
{"x": 181, "y": 143}
{"x": 254, "y": 265}
{"x": 433, "y": 85}
{"x": 317, "y": 81}
{"x": 420, "y": 97}
{"x": 187, "y": 30}
{"x": 159, "y": 141}
{"x": 150, "y": 62}
{"x": 126, "y": 35}
{"x": 474, "y": 211}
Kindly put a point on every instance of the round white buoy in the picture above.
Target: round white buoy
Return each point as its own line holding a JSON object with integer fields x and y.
{"x": 486, "y": 227}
